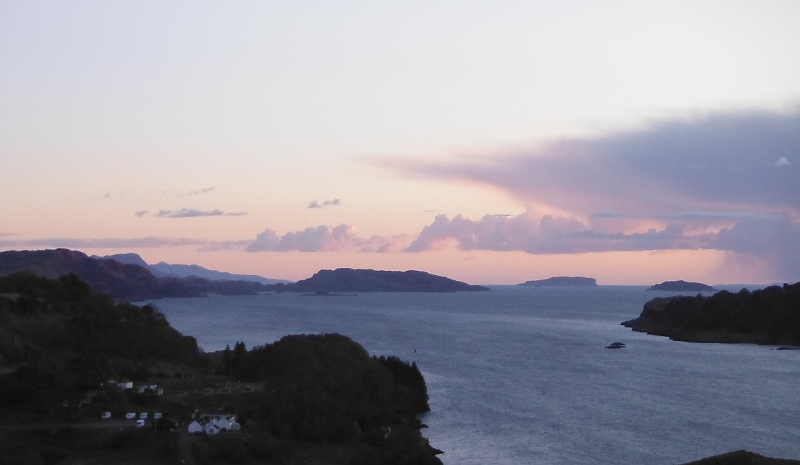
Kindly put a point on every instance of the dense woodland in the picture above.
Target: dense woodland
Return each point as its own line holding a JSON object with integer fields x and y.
{"x": 310, "y": 395}
{"x": 766, "y": 316}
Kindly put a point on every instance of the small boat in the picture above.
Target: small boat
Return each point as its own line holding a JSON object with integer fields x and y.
{"x": 615, "y": 345}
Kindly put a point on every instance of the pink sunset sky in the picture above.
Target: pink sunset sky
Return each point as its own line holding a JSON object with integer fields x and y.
{"x": 490, "y": 142}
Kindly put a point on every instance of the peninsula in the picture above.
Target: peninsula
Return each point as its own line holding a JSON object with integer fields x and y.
{"x": 681, "y": 286}
{"x": 766, "y": 316}
{"x": 561, "y": 281}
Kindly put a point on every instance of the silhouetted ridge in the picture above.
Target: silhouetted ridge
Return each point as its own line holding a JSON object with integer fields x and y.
{"x": 352, "y": 280}
{"x": 119, "y": 280}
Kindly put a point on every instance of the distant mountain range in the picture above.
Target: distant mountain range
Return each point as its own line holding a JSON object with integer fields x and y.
{"x": 164, "y": 270}
{"x": 128, "y": 277}
{"x": 124, "y": 281}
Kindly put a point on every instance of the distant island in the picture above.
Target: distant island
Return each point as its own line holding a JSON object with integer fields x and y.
{"x": 742, "y": 457}
{"x": 681, "y": 286}
{"x": 766, "y": 316}
{"x": 561, "y": 281}
{"x": 355, "y": 280}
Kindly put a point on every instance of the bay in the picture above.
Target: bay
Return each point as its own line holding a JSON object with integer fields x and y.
{"x": 521, "y": 375}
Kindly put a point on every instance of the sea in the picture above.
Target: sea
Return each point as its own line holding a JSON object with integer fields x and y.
{"x": 522, "y": 375}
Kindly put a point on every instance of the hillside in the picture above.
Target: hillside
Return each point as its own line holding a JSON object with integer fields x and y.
{"x": 766, "y": 316}
{"x": 65, "y": 352}
{"x": 351, "y": 280}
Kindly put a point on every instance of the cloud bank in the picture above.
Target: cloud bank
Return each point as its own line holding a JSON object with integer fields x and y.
{"x": 710, "y": 183}
{"x": 342, "y": 238}
{"x": 193, "y": 213}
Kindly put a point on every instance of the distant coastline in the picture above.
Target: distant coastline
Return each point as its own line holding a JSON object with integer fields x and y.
{"x": 134, "y": 280}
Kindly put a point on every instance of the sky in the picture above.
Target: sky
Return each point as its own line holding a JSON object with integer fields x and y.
{"x": 490, "y": 142}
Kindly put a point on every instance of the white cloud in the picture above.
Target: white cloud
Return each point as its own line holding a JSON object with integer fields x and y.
{"x": 325, "y": 239}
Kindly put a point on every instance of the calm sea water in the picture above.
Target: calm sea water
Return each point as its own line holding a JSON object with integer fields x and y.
{"x": 521, "y": 375}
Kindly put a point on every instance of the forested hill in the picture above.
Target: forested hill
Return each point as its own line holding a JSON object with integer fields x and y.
{"x": 766, "y": 316}
{"x": 352, "y": 280}
{"x": 65, "y": 350}
{"x": 59, "y": 334}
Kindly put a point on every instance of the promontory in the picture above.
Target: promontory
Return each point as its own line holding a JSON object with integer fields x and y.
{"x": 766, "y": 316}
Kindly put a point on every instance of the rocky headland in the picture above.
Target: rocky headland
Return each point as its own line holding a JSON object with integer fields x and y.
{"x": 561, "y": 281}
{"x": 766, "y": 316}
{"x": 681, "y": 286}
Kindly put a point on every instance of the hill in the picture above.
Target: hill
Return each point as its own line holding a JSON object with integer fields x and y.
{"x": 351, "y": 280}
{"x": 561, "y": 281}
{"x": 65, "y": 350}
{"x": 123, "y": 281}
{"x": 766, "y": 316}
{"x": 681, "y": 286}
{"x": 165, "y": 270}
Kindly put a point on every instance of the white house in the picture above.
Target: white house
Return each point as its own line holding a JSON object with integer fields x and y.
{"x": 223, "y": 421}
{"x": 125, "y": 385}
{"x": 195, "y": 427}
